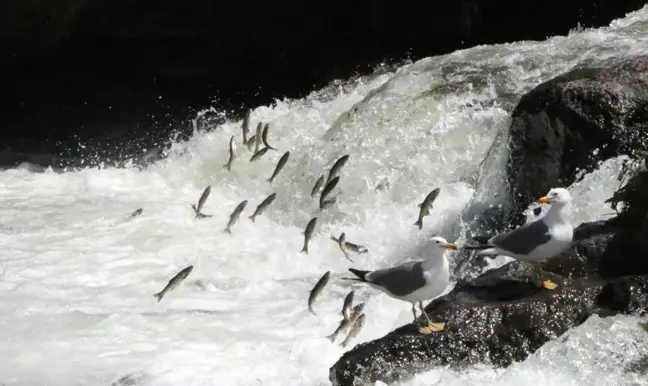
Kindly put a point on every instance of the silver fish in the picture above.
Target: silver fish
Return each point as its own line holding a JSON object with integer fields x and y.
{"x": 328, "y": 189}
{"x": 259, "y": 154}
{"x": 257, "y": 137}
{"x": 335, "y": 169}
{"x": 246, "y": 125}
{"x": 318, "y": 186}
{"x": 280, "y": 165}
{"x": 235, "y": 215}
{"x": 232, "y": 154}
{"x": 174, "y": 282}
{"x": 342, "y": 245}
{"x": 346, "y": 306}
{"x": 201, "y": 202}
{"x": 351, "y": 246}
{"x": 264, "y": 136}
{"x": 263, "y": 205}
{"x": 328, "y": 203}
{"x": 355, "y": 329}
{"x": 136, "y": 213}
{"x": 425, "y": 206}
{"x": 251, "y": 142}
{"x": 308, "y": 233}
{"x": 321, "y": 283}
{"x": 346, "y": 323}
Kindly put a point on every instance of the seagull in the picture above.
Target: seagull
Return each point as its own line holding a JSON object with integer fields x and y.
{"x": 414, "y": 281}
{"x": 539, "y": 240}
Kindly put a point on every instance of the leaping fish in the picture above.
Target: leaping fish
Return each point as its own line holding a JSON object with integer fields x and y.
{"x": 264, "y": 137}
{"x": 235, "y": 215}
{"x": 317, "y": 186}
{"x": 263, "y": 205}
{"x": 349, "y": 246}
{"x": 425, "y": 206}
{"x": 308, "y": 233}
{"x": 232, "y": 154}
{"x": 280, "y": 165}
{"x": 346, "y": 323}
{"x": 321, "y": 283}
{"x": 337, "y": 166}
{"x": 246, "y": 125}
{"x": 355, "y": 329}
{"x": 174, "y": 282}
{"x": 201, "y": 202}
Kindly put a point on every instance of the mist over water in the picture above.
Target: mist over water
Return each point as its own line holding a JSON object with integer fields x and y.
{"x": 77, "y": 277}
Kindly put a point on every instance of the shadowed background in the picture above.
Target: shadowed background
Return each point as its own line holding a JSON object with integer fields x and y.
{"x": 116, "y": 72}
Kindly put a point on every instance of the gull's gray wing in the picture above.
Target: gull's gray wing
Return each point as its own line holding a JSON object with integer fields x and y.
{"x": 524, "y": 239}
{"x": 400, "y": 280}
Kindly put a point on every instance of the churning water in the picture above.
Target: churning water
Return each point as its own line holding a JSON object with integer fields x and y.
{"x": 77, "y": 278}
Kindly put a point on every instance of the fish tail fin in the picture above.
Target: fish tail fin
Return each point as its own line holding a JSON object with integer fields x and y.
{"x": 311, "y": 310}
{"x": 228, "y": 230}
{"x": 419, "y": 223}
{"x": 269, "y": 180}
{"x": 331, "y": 337}
{"x": 194, "y": 208}
{"x": 158, "y": 296}
{"x": 305, "y": 249}
{"x": 252, "y": 217}
{"x": 419, "y": 205}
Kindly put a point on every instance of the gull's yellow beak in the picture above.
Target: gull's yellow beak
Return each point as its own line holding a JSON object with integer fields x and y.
{"x": 544, "y": 200}
{"x": 449, "y": 246}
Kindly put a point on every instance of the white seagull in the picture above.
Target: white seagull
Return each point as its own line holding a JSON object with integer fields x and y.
{"x": 414, "y": 281}
{"x": 539, "y": 240}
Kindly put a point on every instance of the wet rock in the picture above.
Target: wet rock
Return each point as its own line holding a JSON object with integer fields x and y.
{"x": 502, "y": 316}
{"x": 572, "y": 122}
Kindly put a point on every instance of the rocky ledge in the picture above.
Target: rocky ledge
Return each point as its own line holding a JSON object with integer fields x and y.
{"x": 501, "y": 317}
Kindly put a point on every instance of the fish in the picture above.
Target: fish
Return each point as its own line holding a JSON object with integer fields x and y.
{"x": 355, "y": 329}
{"x": 235, "y": 215}
{"x": 425, "y": 206}
{"x": 174, "y": 282}
{"x": 327, "y": 189}
{"x": 264, "y": 136}
{"x": 341, "y": 244}
{"x": 335, "y": 169}
{"x": 318, "y": 186}
{"x": 262, "y": 206}
{"x": 136, "y": 213}
{"x": 321, "y": 283}
{"x": 232, "y": 150}
{"x": 201, "y": 202}
{"x": 280, "y": 165}
{"x": 257, "y": 137}
{"x": 328, "y": 203}
{"x": 251, "y": 142}
{"x": 246, "y": 125}
{"x": 346, "y": 306}
{"x": 346, "y": 323}
{"x": 351, "y": 246}
{"x": 308, "y": 233}
{"x": 259, "y": 154}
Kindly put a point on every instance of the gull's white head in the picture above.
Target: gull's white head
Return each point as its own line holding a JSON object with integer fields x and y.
{"x": 556, "y": 196}
{"x": 442, "y": 243}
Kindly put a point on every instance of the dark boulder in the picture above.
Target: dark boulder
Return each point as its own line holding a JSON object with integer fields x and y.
{"x": 501, "y": 317}
{"x": 572, "y": 122}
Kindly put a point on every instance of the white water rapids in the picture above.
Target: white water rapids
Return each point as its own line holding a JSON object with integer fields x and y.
{"x": 76, "y": 278}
